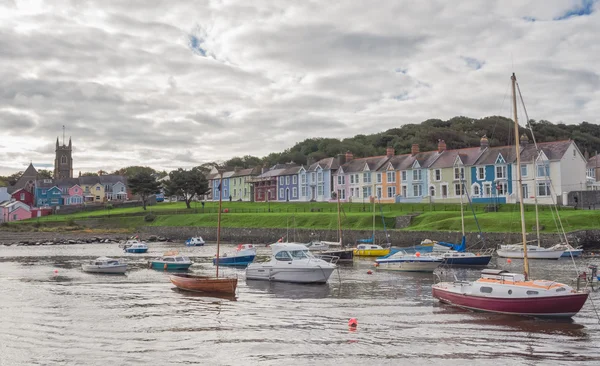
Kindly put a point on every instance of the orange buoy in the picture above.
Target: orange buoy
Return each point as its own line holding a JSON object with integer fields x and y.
{"x": 417, "y": 254}
{"x": 353, "y": 323}
{"x": 56, "y": 271}
{"x": 509, "y": 261}
{"x": 165, "y": 266}
{"x": 478, "y": 254}
{"x": 376, "y": 264}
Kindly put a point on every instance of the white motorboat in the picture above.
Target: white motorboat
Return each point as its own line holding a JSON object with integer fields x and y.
{"x": 104, "y": 265}
{"x": 569, "y": 250}
{"x": 533, "y": 252}
{"x": 317, "y": 245}
{"x": 292, "y": 262}
{"x": 195, "y": 241}
{"x": 135, "y": 246}
{"x": 406, "y": 262}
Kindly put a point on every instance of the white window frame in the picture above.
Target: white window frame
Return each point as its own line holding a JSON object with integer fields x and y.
{"x": 295, "y": 192}
{"x": 391, "y": 191}
{"x": 459, "y": 173}
{"x": 481, "y": 176}
{"x": 503, "y": 170}
{"x": 504, "y": 186}
{"x": 379, "y": 177}
{"x": 417, "y": 190}
{"x": 295, "y": 179}
{"x": 526, "y": 168}
{"x": 473, "y": 188}
{"x": 547, "y": 191}
{"x": 437, "y": 175}
{"x": 404, "y": 190}
{"x": 379, "y": 190}
{"x": 417, "y": 175}
{"x": 391, "y": 176}
{"x": 404, "y": 176}
{"x": 281, "y": 193}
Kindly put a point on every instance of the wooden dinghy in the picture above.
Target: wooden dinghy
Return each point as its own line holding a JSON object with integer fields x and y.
{"x": 208, "y": 284}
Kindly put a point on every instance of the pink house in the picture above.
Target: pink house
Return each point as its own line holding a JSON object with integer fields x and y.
{"x": 14, "y": 211}
{"x": 75, "y": 195}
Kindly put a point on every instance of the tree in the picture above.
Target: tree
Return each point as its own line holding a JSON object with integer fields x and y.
{"x": 89, "y": 174}
{"x": 186, "y": 183}
{"x": 44, "y": 174}
{"x": 130, "y": 171}
{"x": 13, "y": 178}
{"x": 143, "y": 184}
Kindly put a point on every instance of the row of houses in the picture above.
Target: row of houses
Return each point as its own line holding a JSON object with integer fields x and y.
{"x": 485, "y": 174}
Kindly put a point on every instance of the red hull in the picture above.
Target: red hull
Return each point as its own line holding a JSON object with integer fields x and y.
{"x": 556, "y": 306}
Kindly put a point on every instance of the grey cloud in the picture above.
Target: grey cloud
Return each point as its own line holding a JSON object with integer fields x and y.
{"x": 11, "y": 122}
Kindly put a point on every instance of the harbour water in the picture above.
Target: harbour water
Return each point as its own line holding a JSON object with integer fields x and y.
{"x": 51, "y": 313}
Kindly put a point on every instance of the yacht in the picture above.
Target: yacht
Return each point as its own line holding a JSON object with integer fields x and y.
{"x": 533, "y": 252}
{"x": 104, "y": 265}
{"x": 407, "y": 262}
{"x": 292, "y": 262}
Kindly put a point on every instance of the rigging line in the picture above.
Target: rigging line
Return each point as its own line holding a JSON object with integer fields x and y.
{"x": 474, "y": 216}
{"x": 501, "y": 108}
{"x": 527, "y": 116}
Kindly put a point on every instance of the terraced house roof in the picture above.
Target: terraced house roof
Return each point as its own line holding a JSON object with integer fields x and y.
{"x": 358, "y": 164}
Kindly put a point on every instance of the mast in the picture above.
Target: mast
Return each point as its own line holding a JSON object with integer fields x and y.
{"x": 219, "y": 218}
{"x": 373, "y": 221}
{"x": 339, "y": 220}
{"x": 462, "y": 212}
{"x": 537, "y": 216}
{"x": 520, "y": 179}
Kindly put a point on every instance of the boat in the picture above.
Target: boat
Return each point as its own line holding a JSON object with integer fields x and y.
{"x": 533, "y": 252}
{"x": 342, "y": 254}
{"x": 171, "y": 261}
{"x": 568, "y": 250}
{"x": 316, "y": 245}
{"x": 292, "y": 263}
{"x": 195, "y": 241}
{"x": 104, "y": 265}
{"x": 370, "y": 250}
{"x": 499, "y": 291}
{"x": 408, "y": 262}
{"x": 209, "y": 284}
{"x": 243, "y": 256}
{"x": 135, "y": 246}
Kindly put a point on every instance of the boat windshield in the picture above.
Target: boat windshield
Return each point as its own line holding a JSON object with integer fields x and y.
{"x": 300, "y": 254}
{"x": 398, "y": 254}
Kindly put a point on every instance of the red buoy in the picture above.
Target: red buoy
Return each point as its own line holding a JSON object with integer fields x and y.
{"x": 353, "y": 323}
{"x": 509, "y": 261}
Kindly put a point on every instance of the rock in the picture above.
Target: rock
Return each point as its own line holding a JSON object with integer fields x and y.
{"x": 152, "y": 238}
{"x": 72, "y": 242}
{"x": 160, "y": 238}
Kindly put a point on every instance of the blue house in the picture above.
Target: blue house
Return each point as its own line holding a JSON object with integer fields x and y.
{"x": 47, "y": 194}
{"x": 491, "y": 175}
{"x": 287, "y": 184}
{"x": 216, "y": 180}
{"x": 316, "y": 179}
{"x": 414, "y": 177}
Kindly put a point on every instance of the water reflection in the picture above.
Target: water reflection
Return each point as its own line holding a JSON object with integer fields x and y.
{"x": 290, "y": 290}
{"x": 208, "y": 297}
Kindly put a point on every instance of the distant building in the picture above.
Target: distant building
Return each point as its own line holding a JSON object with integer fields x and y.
{"x": 63, "y": 162}
{"x": 14, "y": 211}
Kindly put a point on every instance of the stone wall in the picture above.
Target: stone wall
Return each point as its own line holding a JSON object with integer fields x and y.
{"x": 404, "y": 221}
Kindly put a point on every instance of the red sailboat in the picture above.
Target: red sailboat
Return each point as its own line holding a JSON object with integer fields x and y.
{"x": 499, "y": 291}
{"x": 208, "y": 284}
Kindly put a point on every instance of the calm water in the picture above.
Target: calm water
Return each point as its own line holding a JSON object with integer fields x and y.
{"x": 74, "y": 318}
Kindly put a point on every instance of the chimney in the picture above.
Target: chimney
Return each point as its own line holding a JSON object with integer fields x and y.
{"x": 341, "y": 159}
{"x": 349, "y": 156}
{"x": 264, "y": 169}
{"x": 441, "y": 145}
{"x": 524, "y": 140}
{"x": 390, "y": 152}
{"x": 484, "y": 143}
{"x": 310, "y": 160}
{"x": 237, "y": 169}
{"x": 414, "y": 150}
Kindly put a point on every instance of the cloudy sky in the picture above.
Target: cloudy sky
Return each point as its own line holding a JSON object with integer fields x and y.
{"x": 179, "y": 83}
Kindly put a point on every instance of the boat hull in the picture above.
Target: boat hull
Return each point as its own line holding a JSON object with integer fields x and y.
{"x": 542, "y": 254}
{"x": 136, "y": 250}
{"x": 481, "y": 260}
{"x": 121, "y": 269}
{"x": 292, "y": 275}
{"x": 205, "y": 284}
{"x": 163, "y": 266}
{"x": 408, "y": 266}
{"x": 346, "y": 255}
{"x": 371, "y": 252}
{"x": 574, "y": 252}
{"x": 551, "y": 307}
{"x": 240, "y": 261}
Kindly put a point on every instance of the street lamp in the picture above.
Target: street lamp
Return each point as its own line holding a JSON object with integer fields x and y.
{"x": 269, "y": 198}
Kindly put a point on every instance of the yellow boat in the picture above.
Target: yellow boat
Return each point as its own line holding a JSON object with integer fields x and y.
{"x": 370, "y": 250}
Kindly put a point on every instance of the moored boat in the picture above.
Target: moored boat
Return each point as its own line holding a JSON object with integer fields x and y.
{"x": 105, "y": 265}
{"x": 292, "y": 263}
{"x": 243, "y": 256}
{"x": 466, "y": 258}
{"x": 408, "y": 262}
{"x": 207, "y": 284}
{"x": 343, "y": 255}
{"x": 568, "y": 250}
{"x": 195, "y": 241}
{"x": 135, "y": 246}
{"x": 370, "y": 250}
{"x": 170, "y": 261}
{"x": 316, "y": 245}
{"x": 533, "y": 252}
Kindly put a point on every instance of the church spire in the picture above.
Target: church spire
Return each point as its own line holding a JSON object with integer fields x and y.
{"x": 69, "y": 142}
{"x": 57, "y": 143}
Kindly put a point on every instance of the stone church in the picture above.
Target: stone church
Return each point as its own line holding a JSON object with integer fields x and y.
{"x": 63, "y": 162}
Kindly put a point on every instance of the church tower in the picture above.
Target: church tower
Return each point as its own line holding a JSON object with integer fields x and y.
{"x": 63, "y": 163}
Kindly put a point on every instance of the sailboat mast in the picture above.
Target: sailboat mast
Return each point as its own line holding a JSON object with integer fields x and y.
{"x": 219, "y": 220}
{"x": 519, "y": 178}
{"x": 339, "y": 219}
{"x": 462, "y": 212}
{"x": 373, "y": 220}
{"x": 537, "y": 215}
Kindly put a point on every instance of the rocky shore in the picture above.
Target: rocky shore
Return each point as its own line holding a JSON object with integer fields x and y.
{"x": 41, "y": 238}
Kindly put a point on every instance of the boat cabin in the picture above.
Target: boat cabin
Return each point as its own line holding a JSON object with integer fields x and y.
{"x": 175, "y": 259}
{"x": 368, "y": 247}
{"x": 242, "y": 247}
{"x": 501, "y": 274}
{"x": 104, "y": 261}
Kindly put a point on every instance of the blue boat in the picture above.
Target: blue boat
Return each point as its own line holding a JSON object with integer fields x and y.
{"x": 171, "y": 261}
{"x": 196, "y": 241}
{"x": 243, "y": 256}
{"x": 135, "y": 246}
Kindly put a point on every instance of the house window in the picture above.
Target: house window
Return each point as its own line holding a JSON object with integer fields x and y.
{"x": 303, "y": 191}
{"x": 378, "y": 177}
{"x": 341, "y": 180}
{"x": 501, "y": 172}
{"x": 404, "y": 191}
{"x": 487, "y": 189}
{"x": 63, "y": 159}
{"x": 287, "y": 180}
{"x": 281, "y": 193}
{"x": 391, "y": 177}
{"x": 391, "y": 192}
{"x": 304, "y": 179}
{"x": 417, "y": 174}
{"x": 313, "y": 177}
{"x": 459, "y": 173}
{"x": 352, "y": 192}
{"x": 437, "y": 175}
{"x": 404, "y": 176}
{"x": 459, "y": 189}
{"x": 295, "y": 179}
{"x": 502, "y": 188}
{"x": 56, "y": 202}
{"x": 480, "y": 173}
{"x": 351, "y": 178}
{"x": 22, "y": 196}
{"x": 97, "y": 188}
{"x": 543, "y": 189}
{"x": 320, "y": 176}
{"x": 342, "y": 194}
{"x": 280, "y": 180}
{"x": 525, "y": 192}
{"x": 44, "y": 191}
{"x": 320, "y": 190}
{"x": 295, "y": 192}
{"x": 366, "y": 192}
{"x": 523, "y": 170}
{"x": 543, "y": 170}
{"x": 356, "y": 178}
{"x": 379, "y": 192}
{"x": 234, "y": 192}
{"x": 15, "y": 217}
{"x": 367, "y": 177}
{"x": 417, "y": 190}
{"x": 476, "y": 190}
{"x": 590, "y": 173}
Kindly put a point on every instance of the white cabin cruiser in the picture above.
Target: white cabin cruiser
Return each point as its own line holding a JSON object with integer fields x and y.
{"x": 406, "y": 262}
{"x": 104, "y": 265}
{"x": 292, "y": 263}
{"x": 317, "y": 245}
{"x": 533, "y": 252}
